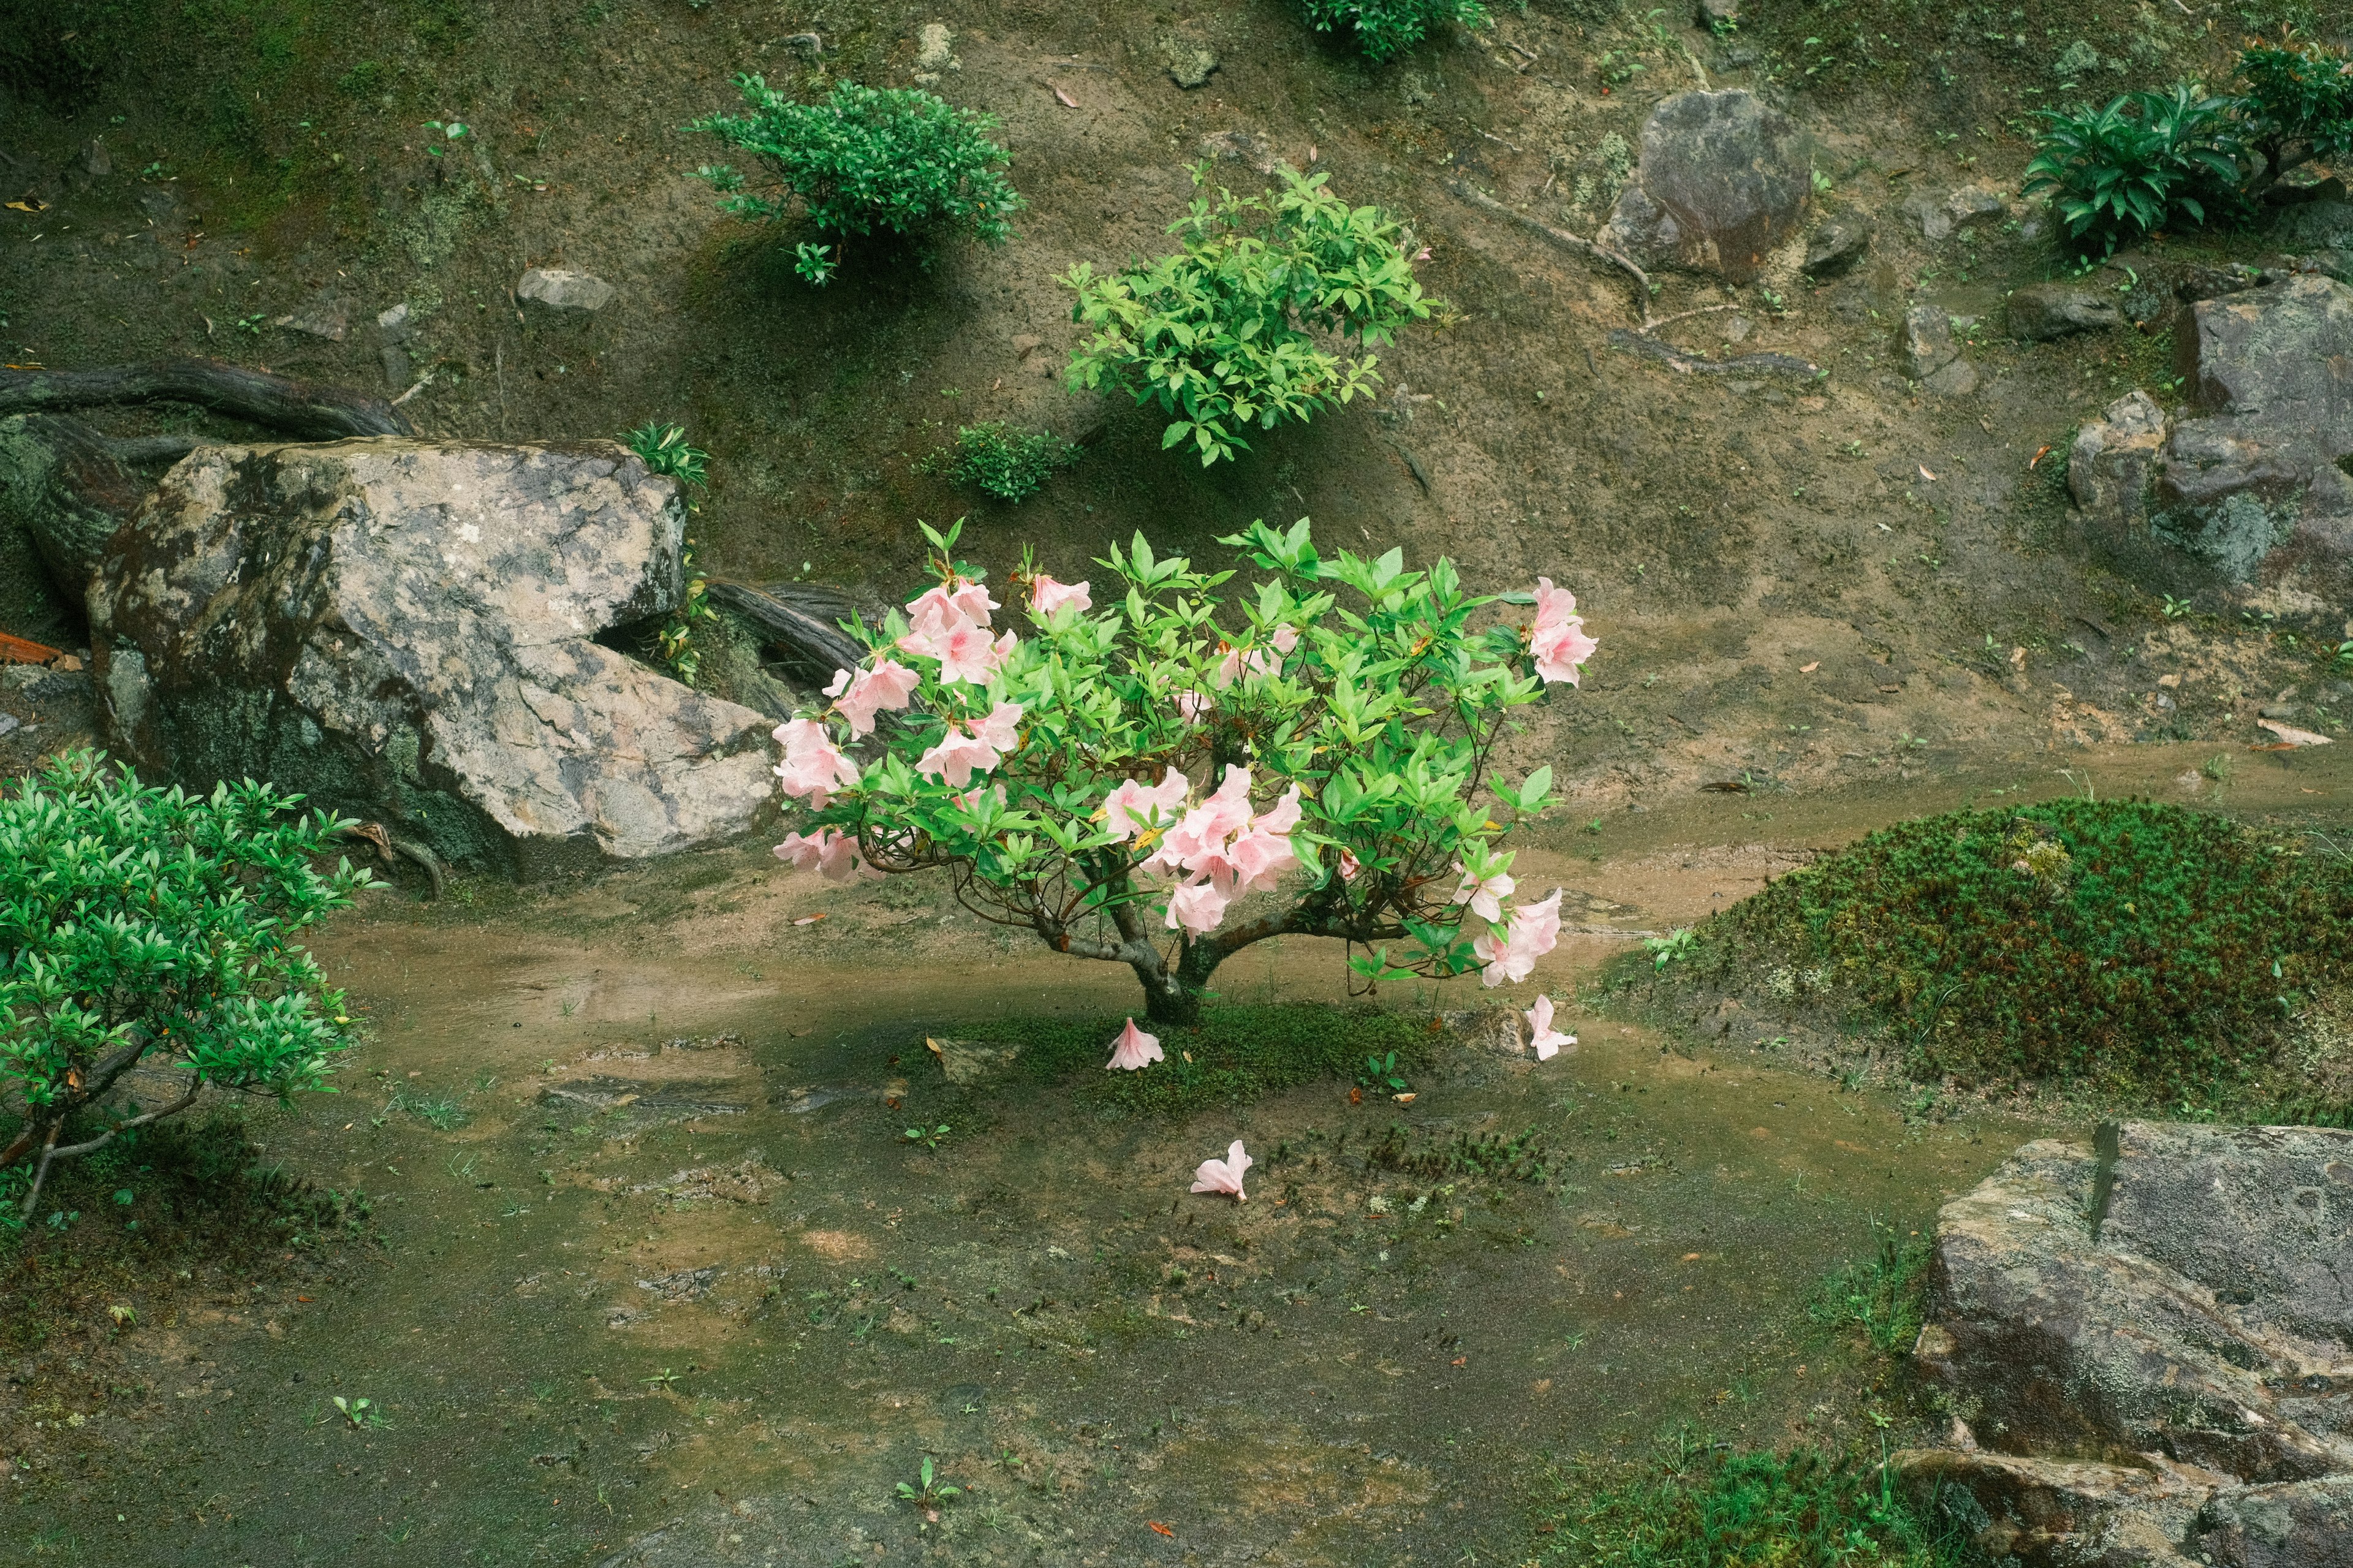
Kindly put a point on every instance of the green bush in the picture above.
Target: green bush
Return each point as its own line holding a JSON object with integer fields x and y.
{"x": 1698, "y": 1504}
{"x": 2116, "y": 173}
{"x": 144, "y": 925}
{"x": 866, "y": 158}
{"x": 1383, "y": 29}
{"x": 1220, "y": 333}
{"x": 1006, "y": 461}
{"x": 1234, "y": 1055}
{"x": 2298, "y": 105}
{"x": 2117, "y": 943}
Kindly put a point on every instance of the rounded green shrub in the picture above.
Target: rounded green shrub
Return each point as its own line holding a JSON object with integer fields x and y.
{"x": 1386, "y": 28}
{"x": 897, "y": 159}
{"x": 1009, "y": 461}
{"x": 2120, "y": 945}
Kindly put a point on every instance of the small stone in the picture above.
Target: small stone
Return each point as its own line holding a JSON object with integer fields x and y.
{"x": 2279, "y": 710}
{"x": 325, "y": 319}
{"x": 1974, "y": 204}
{"x": 396, "y": 367}
{"x": 1956, "y": 378}
{"x": 565, "y": 292}
{"x": 1190, "y": 61}
{"x": 2039, "y": 311}
{"x": 1925, "y": 344}
{"x": 96, "y": 160}
{"x": 8, "y": 723}
{"x": 394, "y": 323}
{"x": 1837, "y": 245}
{"x": 1240, "y": 147}
{"x": 1928, "y": 211}
{"x": 1719, "y": 15}
{"x": 808, "y": 46}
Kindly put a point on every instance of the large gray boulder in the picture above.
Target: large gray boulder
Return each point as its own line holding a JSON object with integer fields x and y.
{"x": 2148, "y": 1336}
{"x": 2110, "y": 467}
{"x": 1723, "y": 181}
{"x": 405, "y": 630}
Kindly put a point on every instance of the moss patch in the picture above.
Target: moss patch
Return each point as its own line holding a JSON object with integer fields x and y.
{"x": 2119, "y": 945}
{"x": 1236, "y": 1054}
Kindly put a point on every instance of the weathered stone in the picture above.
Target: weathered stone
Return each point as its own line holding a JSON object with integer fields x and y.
{"x": 1974, "y": 204}
{"x": 1718, "y": 16}
{"x": 1956, "y": 377}
{"x": 394, "y": 323}
{"x": 2110, "y": 465}
{"x": 2296, "y": 1524}
{"x": 969, "y": 1061}
{"x": 564, "y": 293}
{"x": 1927, "y": 209}
{"x": 2317, "y": 225}
{"x": 1190, "y": 61}
{"x": 2056, "y": 1513}
{"x": 2157, "y": 1315}
{"x": 1723, "y": 181}
{"x": 935, "y": 53}
{"x": 1924, "y": 342}
{"x": 2042, "y": 310}
{"x": 324, "y": 318}
{"x": 96, "y": 160}
{"x": 1247, "y": 148}
{"x": 402, "y": 630}
{"x": 1838, "y": 245}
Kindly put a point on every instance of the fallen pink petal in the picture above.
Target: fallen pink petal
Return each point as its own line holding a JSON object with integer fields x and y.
{"x": 1224, "y": 1175}
{"x": 1133, "y": 1050}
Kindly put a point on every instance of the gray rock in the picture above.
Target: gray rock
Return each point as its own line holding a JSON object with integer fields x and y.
{"x": 1923, "y": 341}
{"x": 2318, "y": 226}
{"x": 2296, "y": 1524}
{"x": 1723, "y": 181}
{"x": 2148, "y": 1334}
{"x": 2110, "y": 465}
{"x": 394, "y": 323}
{"x": 1927, "y": 209}
{"x": 1247, "y": 148}
{"x": 808, "y": 46}
{"x": 564, "y": 293}
{"x": 1974, "y": 204}
{"x": 328, "y": 319}
{"x": 935, "y": 53}
{"x": 402, "y": 630}
{"x": 2043, "y": 310}
{"x": 1836, "y": 245}
{"x": 1956, "y": 377}
{"x": 96, "y": 160}
{"x": 1718, "y": 16}
{"x": 1190, "y": 61}
{"x": 396, "y": 367}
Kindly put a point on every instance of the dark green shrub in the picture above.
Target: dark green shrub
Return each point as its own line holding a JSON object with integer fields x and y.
{"x": 145, "y": 925}
{"x": 2116, "y": 943}
{"x": 1383, "y": 29}
{"x": 2298, "y": 105}
{"x": 866, "y": 158}
{"x": 1699, "y": 1504}
{"x": 2116, "y": 173}
{"x": 1006, "y": 461}
{"x": 1220, "y": 334}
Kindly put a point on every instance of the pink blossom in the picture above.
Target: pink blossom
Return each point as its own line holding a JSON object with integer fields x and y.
{"x": 997, "y": 728}
{"x": 1198, "y": 906}
{"x": 1485, "y": 898}
{"x": 1228, "y": 666}
{"x": 1225, "y": 1175}
{"x": 968, "y": 601}
{"x": 1046, "y": 595}
{"x": 1134, "y": 1050}
{"x": 813, "y": 765}
{"x": 1350, "y": 867}
{"x": 965, "y": 653}
{"x": 889, "y": 686}
{"x": 956, "y": 757}
{"x": 1546, "y": 1039}
{"x": 1285, "y": 638}
{"x": 837, "y": 854}
{"x": 1129, "y": 808}
{"x": 1192, "y": 705}
{"x": 1530, "y": 933}
{"x": 1282, "y": 818}
{"x": 1558, "y": 639}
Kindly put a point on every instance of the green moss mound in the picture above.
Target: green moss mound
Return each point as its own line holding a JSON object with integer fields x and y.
{"x": 1237, "y": 1054}
{"x": 2117, "y": 944}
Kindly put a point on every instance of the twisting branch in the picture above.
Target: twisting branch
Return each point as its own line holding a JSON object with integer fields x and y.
{"x": 1565, "y": 240}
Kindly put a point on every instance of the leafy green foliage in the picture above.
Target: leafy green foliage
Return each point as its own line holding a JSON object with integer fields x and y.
{"x": 1220, "y": 334}
{"x": 1707, "y": 1505}
{"x": 664, "y": 449}
{"x": 1009, "y": 461}
{"x": 138, "y": 922}
{"x": 1386, "y": 28}
{"x": 2119, "y": 171}
{"x": 893, "y": 158}
{"x": 2299, "y": 102}
{"x": 1879, "y": 1295}
{"x": 2116, "y": 943}
{"x": 1236, "y": 1054}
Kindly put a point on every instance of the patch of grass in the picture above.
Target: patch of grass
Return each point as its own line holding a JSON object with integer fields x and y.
{"x": 1238, "y": 1054}
{"x": 1880, "y": 1296}
{"x": 1009, "y": 461}
{"x": 2119, "y": 945}
{"x": 1418, "y": 1153}
{"x": 1697, "y": 1504}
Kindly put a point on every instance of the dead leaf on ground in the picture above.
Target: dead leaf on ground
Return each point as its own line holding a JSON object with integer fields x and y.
{"x": 1809, "y": 669}
{"x": 1068, "y": 101}
{"x": 2291, "y": 734}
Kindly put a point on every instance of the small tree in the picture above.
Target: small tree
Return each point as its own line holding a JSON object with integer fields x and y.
{"x": 139, "y": 924}
{"x": 1383, "y": 28}
{"x": 1117, "y": 781}
{"x": 866, "y": 158}
{"x": 2298, "y": 105}
{"x": 1220, "y": 334}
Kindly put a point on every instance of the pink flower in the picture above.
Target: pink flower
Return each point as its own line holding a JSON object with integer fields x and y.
{"x": 1046, "y": 595}
{"x": 1133, "y": 1049}
{"x": 1282, "y": 818}
{"x": 1530, "y": 933}
{"x": 1228, "y": 666}
{"x": 1546, "y": 1039}
{"x": 834, "y": 854}
{"x": 1198, "y": 906}
{"x": 966, "y": 601}
{"x": 1350, "y": 867}
{"x": 1285, "y": 638}
{"x": 1558, "y": 639}
{"x": 956, "y": 757}
{"x": 889, "y": 686}
{"x": 1192, "y": 705}
{"x": 1131, "y": 806}
{"x": 1256, "y": 860}
{"x": 965, "y": 653}
{"x": 998, "y": 730}
{"x": 1225, "y": 1175}
{"x": 813, "y": 765}
{"x": 1485, "y": 898}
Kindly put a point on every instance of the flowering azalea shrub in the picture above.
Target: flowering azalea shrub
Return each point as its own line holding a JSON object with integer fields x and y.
{"x": 1122, "y": 780}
